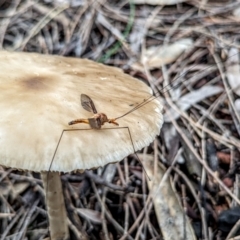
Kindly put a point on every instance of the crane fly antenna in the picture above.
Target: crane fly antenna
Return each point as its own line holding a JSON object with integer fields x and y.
{"x": 151, "y": 98}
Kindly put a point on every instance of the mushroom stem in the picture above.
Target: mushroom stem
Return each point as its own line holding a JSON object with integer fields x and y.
{"x": 55, "y": 204}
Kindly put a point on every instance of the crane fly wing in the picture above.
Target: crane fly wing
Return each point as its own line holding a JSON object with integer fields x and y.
{"x": 88, "y": 104}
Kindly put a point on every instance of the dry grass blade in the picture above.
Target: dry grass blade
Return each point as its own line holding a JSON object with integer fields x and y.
{"x": 171, "y": 217}
{"x": 158, "y": 2}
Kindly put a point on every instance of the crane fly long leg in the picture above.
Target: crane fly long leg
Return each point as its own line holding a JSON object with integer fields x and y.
{"x": 70, "y": 130}
{"x": 80, "y": 120}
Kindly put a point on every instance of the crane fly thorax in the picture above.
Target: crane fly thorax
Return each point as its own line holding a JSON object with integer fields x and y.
{"x": 102, "y": 117}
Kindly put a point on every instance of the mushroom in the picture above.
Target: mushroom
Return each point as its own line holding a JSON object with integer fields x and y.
{"x": 40, "y": 94}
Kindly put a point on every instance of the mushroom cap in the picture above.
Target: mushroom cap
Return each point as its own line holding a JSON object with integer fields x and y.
{"x": 40, "y": 94}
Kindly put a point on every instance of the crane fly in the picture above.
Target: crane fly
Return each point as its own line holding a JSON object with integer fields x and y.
{"x": 97, "y": 120}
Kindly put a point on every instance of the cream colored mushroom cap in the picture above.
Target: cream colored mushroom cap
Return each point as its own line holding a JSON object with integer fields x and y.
{"x": 40, "y": 94}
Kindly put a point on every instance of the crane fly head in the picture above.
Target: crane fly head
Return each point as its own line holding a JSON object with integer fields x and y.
{"x": 104, "y": 119}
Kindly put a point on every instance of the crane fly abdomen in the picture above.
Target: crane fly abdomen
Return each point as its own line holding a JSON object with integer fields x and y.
{"x": 80, "y": 120}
